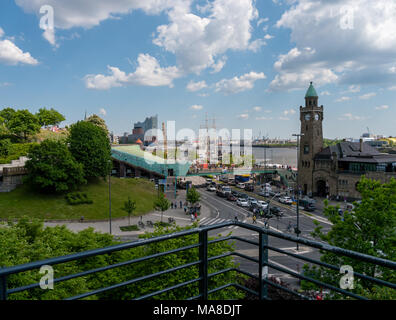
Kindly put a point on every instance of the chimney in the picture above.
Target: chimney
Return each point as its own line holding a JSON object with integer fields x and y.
{"x": 361, "y": 145}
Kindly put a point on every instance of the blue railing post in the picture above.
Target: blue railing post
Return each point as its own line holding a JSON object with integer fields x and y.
{"x": 3, "y": 288}
{"x": 203, "y": 266}
{"x": 263, "y": 265}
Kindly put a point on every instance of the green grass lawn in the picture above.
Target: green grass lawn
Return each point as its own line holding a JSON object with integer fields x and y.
{"x": 25, "y": 202}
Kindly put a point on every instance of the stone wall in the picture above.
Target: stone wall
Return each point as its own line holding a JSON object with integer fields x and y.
{"x": 11, "y": 177}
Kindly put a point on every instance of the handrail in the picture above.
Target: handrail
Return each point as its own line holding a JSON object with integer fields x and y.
{"x": 203, "y": 261}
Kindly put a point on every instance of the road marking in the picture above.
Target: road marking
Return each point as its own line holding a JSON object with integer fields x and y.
{"x": 233, "y": 208}
{"x": 281, "y": 265}
{"x": 210, "y": 205}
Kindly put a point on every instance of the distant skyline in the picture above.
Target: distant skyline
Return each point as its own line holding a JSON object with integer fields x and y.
{"x": 247, "y": 63}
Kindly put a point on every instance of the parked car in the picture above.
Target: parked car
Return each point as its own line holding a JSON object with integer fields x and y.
{"x": 242, "y": 202}
{"x": 276, "y": 211}
{"x": 264, "y": 193}
{"x": 254, "y": 207}
{"x": 249, "y": 187}
{"x": 240, "y": 185}
{"x": 236, "y": 193}
{"x": 285, "y": 200}
{"x": 244, "y": 196}
{"x": 211, "y": 188}
{"x": 307, "y": 204}
{"x": 231, "y": 197}
{"x": 262, "y": 204}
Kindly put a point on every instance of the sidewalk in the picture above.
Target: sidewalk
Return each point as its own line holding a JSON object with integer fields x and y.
{"x": 182, "y": 219}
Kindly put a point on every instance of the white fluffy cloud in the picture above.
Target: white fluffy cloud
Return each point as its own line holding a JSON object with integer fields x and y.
{"x": 344, "y": 41}
{"x": 351, "y": 117}
{"x": 383, "y": 107}
{"x": 103, "y": 111}
{"x": 289, "y": 112}
{"x": 196, "y": 107}
{"x": 342, "y": 99}
{"x": 196, "y": 86}
{"x": 367, "y": 96}
{"x": 12, "y": 55}
{"x": 198, "y": 41}
{"x": 239, "y": 84}
{"x": 243, "y": 116}
{"x": 148, "y": 73}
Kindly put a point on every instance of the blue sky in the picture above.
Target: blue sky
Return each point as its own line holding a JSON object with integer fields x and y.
{"x": 247, "y": 63}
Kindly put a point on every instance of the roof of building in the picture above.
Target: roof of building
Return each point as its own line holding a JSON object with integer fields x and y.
{"x": 350, "y": 152}
{"x": 311, "y": 92}
{"x": 134, "y": 155}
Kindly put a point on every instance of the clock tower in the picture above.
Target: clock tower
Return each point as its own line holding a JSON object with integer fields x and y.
{"x": 311, "y": 117}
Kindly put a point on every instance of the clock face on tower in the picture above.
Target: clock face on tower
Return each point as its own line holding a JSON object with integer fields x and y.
{"x": 317, "y": 117}
{"x": 307, "y": 117}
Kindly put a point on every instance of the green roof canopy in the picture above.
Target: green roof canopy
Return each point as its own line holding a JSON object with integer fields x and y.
{"x": 311, "y": 92}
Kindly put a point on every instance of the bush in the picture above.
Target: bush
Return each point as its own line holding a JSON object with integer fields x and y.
{"x": 133, "y": 227}
{"x": 52, "y": 168}
{"x": 75, "y": 198}
{"x": 15, "y": 150}
{"x": 5, "y": 146}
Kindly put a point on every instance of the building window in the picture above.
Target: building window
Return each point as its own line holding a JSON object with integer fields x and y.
{"x": 306, "y": 149}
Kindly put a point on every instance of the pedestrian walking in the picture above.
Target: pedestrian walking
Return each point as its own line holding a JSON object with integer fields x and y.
{"x": 289, "y": 227}
{"x": 195, "y": 216}
{"x": 171, "y": 205}
{"x": 192, "y": 217}
{"x": 236, "y": 218}
{"x": 254, "y": 219}
{"x": 181, "y": 204}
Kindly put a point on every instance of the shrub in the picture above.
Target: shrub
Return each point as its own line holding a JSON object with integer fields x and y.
{"x": 75, "y": 198}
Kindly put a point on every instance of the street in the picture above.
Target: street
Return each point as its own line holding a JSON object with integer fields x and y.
{"x": 222, "y": 210}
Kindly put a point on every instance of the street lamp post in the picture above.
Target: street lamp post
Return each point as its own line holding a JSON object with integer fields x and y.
{"x": 298, "y": 187}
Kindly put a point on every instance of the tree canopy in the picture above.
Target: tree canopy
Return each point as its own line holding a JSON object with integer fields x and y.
{"x": 369, "y": 228}
{"x": 28, "y": 241}
{"x": 90, "y": 146}
{"x": 23, "y": 124}
{"x": 49, "y": 117}
{"x": 98, "y": 121}
{"x": 193, "y": 196}
{"x": 51, "y": 168}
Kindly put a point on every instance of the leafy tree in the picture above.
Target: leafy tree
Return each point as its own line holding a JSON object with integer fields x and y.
{"x": 52, "y": 168}
{"x": 28, "y": 241}
{"x": 129, "y": 207}
{"x": 161, "y": 204}
{"x": 23, "y": 124}
{"x": 49, "y": 117}
{"x": 98, "y": 121}
{"x": 7, "y": 114}
{"x": 369, "y": 228}
{"x": 5, "y": 147}
{"x": 193, "y": 196}
{"x": 90, "y": 146}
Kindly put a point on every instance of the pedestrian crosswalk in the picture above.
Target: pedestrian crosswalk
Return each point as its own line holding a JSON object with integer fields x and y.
{"x": 210, "y": 221}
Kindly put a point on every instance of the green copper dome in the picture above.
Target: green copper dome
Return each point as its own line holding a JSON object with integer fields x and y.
{"x": 311, "y": 92}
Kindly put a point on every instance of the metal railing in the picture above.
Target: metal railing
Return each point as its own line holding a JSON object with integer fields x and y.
{"x": 263, "y": 263}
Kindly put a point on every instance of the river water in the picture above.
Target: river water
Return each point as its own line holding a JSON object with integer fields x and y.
{"x": 284, "y": 156}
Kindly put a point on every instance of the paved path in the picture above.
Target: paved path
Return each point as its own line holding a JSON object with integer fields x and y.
{"x": 178, "y": 214}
